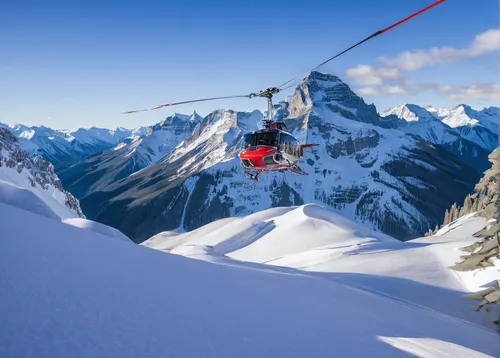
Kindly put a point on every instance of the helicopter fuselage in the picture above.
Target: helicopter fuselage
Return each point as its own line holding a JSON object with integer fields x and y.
{"x": 270, "y": 150}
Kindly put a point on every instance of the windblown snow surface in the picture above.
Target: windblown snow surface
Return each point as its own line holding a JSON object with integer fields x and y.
{"x": 315, "y": 239}
{"x": 68, "y": 292}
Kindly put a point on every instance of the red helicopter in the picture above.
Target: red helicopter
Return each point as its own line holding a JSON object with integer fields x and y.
{"x": 273, "y": 147}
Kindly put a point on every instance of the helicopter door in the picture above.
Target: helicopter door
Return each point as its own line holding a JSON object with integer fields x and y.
{"x": 289, "y": 145}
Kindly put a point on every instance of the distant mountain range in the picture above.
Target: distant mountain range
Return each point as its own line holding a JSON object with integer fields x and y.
{"x": 104, "y": 168}
{"x": 66, "y": 147}
{"x": 396, "y": 172}
{"x": 447, "y": 126}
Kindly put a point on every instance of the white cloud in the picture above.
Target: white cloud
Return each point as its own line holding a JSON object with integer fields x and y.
{"x": 482, "y": 91}
{"x": 382, "y": 90}
{"x": 482, "y": 44}
{"x": 369, "y": 75}
{"x": 488, "y": 91}
{"x": 486, "y": 42}
{"x": 377, "y": 80}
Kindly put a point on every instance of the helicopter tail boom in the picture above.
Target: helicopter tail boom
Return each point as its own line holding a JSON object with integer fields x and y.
{"x": 308, "y": 145}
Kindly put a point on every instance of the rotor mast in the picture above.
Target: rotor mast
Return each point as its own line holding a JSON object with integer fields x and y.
{"x": 267, "y": 93}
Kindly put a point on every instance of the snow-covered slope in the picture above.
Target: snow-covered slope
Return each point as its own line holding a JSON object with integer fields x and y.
{"x": 66, "y": 292}
{"x": 19, "y": 172}
{"x": 315, "y": 239}
{"x": 365, "y": 168}
{"x": 104, "y": 168}
{"x": 65, "y": 147}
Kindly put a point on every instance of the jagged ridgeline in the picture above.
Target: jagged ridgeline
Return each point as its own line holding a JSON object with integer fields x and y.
{"x": 365, "y": 167}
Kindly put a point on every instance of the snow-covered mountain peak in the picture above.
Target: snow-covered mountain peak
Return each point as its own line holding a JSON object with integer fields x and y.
{"x": 410, "y": 113}
{"x": 217, "y": 134}
{"x": 461, "y": 115}
{"x": 327, "y": 88}
{"x": 195, "y": 117}
{"x": 328, "y": 93}
{"x": 317, "y": 81}
{"x": 179, "y": 121}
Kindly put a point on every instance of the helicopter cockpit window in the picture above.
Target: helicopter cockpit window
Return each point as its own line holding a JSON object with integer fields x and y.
{"x": 248, "y": 140}
{"x": 254, "y": 139}
{"x": 268, "y": 138}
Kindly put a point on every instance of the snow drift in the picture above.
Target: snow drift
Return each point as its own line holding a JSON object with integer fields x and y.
{"x": 25, "y": 199}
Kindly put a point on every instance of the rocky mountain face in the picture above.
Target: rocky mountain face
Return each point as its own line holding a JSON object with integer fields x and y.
{"x": 66, "y": 147}
{"x": 104, "y": 168}
{"x": 365, "y": 167}
{"x": 37, "y": 175}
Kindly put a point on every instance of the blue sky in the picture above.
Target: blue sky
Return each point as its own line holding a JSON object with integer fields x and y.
{"x": 72, "y": 63}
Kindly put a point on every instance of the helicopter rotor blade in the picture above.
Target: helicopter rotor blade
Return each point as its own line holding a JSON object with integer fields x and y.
{"x": 375, "y": 34}
{"x": 184, "y": 102}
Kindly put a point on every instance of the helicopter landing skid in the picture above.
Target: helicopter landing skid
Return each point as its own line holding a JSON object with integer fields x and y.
{"x": 252, "y": 175}
{"x": 296, "y": 169}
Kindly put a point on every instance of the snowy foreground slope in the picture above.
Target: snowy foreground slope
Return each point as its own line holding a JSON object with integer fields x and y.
{"x": 315, "y": 239}
{"x": 68, "y": 292}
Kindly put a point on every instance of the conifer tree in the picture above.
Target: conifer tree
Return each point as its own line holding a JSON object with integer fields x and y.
{"x": 453, "y": 212}
{"x": 475, "y": 205}
{"x": 467, "y": 208}
{"x": 446, "y": 220}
